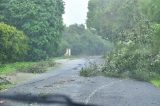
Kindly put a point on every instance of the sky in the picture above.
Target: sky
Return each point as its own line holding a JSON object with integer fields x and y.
{"x": 75, "y": 12}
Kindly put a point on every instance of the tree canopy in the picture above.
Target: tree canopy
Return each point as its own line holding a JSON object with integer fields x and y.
{"x": 83, "y": 41}
{"x": 133, "y": 26}
{"x": 41, "y": 21}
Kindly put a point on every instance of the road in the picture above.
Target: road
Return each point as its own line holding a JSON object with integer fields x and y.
{"x": 102, "y": 91}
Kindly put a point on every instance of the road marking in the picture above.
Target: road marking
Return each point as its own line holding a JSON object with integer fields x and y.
{"x": 98, "y": 89}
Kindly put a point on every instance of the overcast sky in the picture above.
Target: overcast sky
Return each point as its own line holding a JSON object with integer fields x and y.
{"x": 75, "y": 11}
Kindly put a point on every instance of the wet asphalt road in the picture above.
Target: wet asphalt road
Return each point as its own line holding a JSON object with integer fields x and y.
{"x": 102, "y": 91}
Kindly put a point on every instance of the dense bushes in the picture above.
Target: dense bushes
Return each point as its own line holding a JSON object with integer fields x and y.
{"x": 13, "y": 44}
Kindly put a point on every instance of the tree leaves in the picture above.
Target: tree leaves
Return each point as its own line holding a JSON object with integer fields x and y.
{"x": 13, "y": 44}
{"x": 41, "y": 21}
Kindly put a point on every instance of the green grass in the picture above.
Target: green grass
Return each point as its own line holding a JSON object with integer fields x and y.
{"x": 156, "y": 82}
{"x": 12, "y": 67}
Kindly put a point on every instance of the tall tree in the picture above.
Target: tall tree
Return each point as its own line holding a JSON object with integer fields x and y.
{"x": 41, "y": 21}
{"x": 114, "y": 18}
{"x": 151, "y": 9}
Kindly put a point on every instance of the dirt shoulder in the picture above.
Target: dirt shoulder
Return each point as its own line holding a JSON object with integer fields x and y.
{"x": 18, "y": 77}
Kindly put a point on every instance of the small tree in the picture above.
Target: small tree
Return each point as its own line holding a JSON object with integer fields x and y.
{"x": 13, "y": 44}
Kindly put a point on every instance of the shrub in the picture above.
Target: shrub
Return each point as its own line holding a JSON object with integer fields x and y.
{"x": 13, "y": 44}
{"x": 34, "y": 69}
{"x": 4, "y": 83}
{"x": 91, "y": 69}
{"x": 39, "y": 67}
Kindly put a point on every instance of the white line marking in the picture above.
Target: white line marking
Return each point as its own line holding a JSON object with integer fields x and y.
{"x": 98, "y": 89}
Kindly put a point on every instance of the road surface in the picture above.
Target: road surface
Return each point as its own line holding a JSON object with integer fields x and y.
{"x": 102, "y": 91}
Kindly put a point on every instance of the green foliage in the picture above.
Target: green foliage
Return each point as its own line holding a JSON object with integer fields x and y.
{"x": 128, "y": 63}
{"x": 103, "y": 17}
{"x": 28, "y": 67}
{"x": 40, "y": 20}
{"x": 151, "y": 9}
{"x": 156, "y": 82}
{"x": 130, "y": 24}
{"x": 13, "y": 44}
{"x": 83, "y": 41}
{"x": 156, "y": 38}
{"x": 90, "y": 70}
{"x": 4, "y": 86}
{"x": 12, "y": 67}
{"x": 116, "y": 19}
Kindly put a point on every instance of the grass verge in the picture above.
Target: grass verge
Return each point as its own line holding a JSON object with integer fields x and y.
{"x": 6, "y": 70}
{"x": 12, "y": 67}
{"x": 156, "y": 82}
{"x": 28, "y": 67}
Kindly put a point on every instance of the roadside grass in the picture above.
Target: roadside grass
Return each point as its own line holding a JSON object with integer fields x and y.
{"x": 23, "y": 67}
{"x": 26, "y": 67}
{"x": 156, "y": 81}
{"x": 29, "y": 67}
{"x": 12, "y": 67}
